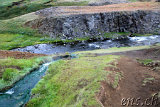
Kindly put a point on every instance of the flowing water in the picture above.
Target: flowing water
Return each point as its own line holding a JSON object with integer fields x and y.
{"x": 20, "y": 93}
{"x": 84, "y": 46}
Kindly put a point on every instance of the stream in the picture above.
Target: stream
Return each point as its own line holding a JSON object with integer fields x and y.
{"x": 20, "y": 93}
{"x": 85, "y": 46}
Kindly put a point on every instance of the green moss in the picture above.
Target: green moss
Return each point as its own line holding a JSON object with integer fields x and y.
{"x": 114, "y": 35}
{"x": 72, "y": 83}
{"x": 136, "y": 34}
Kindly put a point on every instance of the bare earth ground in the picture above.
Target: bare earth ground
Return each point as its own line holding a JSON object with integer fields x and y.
{"x": 17, "y": 55}
{"x": 131, "y": 84}
{"x": 71, "y": 10}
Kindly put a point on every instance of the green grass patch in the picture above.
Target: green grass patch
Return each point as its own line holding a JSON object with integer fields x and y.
{"x": 14, "y": 69}
{"x": 145, "y": 61}
{"x": 81, "y": 3}
{"x": 9, "y": 74}
{"x": 11, "y": 41}
{"x": 147, "y": 80}
{"x": 14, "y": 35}
{"x": 7, "y": 2}
{"x": 115, "y": 35}
{"x": 139, "y": 35}
{"x": 16, "y": 27}
{"x": 7, "y": 13}
{"x": 112, "y": 50}
{"x": 72, "y": 83}
{"x": 28, "y": 6}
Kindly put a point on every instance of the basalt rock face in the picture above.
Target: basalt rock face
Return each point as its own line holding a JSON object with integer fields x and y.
{"x": 84, "y": 25}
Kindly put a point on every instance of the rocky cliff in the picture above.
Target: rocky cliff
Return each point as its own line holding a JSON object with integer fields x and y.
{"x": 83, "y": 25}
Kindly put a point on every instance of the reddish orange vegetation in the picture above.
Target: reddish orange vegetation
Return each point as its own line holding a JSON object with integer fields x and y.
{"x": 17, "y": 55}
{"x": 69, "y": 10}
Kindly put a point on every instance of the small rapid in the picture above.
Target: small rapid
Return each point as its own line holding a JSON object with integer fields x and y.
{"x": 85, "y": 46}
{"x": 20, "y": 93}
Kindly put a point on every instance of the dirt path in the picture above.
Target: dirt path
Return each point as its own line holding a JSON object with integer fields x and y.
{"x": 138, "y": 82}
{"x": 131, "y": 85}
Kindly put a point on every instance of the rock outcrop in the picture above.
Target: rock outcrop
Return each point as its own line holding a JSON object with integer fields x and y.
{"x": 83, "y": 25}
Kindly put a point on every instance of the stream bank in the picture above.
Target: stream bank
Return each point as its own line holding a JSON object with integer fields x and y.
{"x": 19, "y": 94}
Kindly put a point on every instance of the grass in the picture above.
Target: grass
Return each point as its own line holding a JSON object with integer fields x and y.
{"x": 15, "y": 27}
{"x": 12, "y": 38}
{"x": 12, "y": 32}
{"x": 7, "y": 2}
{"x": 11, "y": 41}
{"x": 147, "y": 80}
{"x": 145, "y": 61}
{"x": 13, "y": 69}
{"x": 9, "y": 74}
{"x": 14, "y": 35}
{"x": 115, "y": 35}
{"x": 15, "y": 11}
{"x": 112, "y": 50}
{"x": 72, "y": 83}
{"x": 28, "y": 6}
